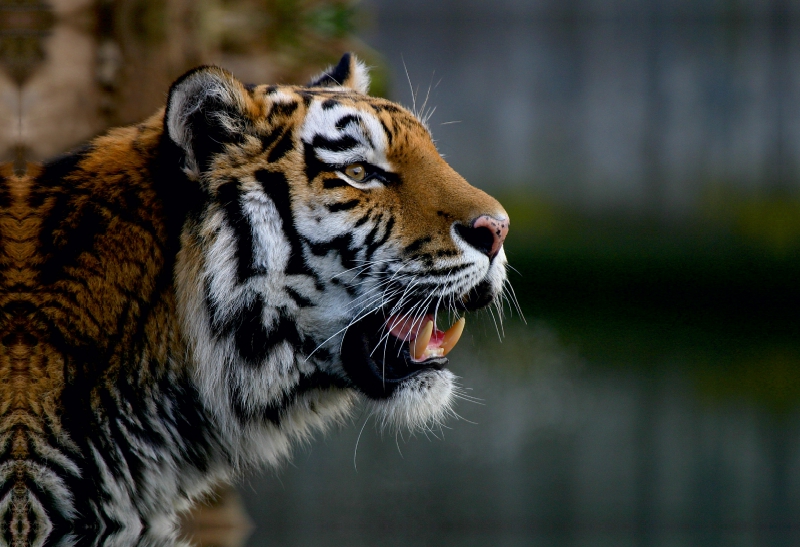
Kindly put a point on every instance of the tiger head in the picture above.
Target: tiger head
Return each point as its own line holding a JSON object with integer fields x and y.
{"x": 330, "y": 238}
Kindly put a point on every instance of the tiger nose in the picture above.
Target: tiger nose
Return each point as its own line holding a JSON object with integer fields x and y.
{"x": 486, "y": 234}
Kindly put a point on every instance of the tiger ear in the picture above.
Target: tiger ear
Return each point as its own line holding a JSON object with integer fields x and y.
{"x": 350, "y": 73}
{"x": 205, "y": 111}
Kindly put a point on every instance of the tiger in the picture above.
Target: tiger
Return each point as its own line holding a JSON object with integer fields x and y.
{"x": 193, "y": 296}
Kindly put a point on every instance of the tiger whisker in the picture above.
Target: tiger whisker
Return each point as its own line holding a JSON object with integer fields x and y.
{"x": 370, "y": 294}
{"x": 365, "y": 266}
{"x": 344, "y": 329}
{"x": 491, "y": 314}
{"x": 385, "y": 336}
{"x": 507, "y": 286}
{"x": 358, "y": 439}
{"x": 411, "y": 87}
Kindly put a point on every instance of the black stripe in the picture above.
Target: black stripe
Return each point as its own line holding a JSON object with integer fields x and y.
{"x": 442, "y": 253}
{"x": 374, "y": 231}
{"x": 313, "y": 164}
{"x": 339, "y": 145}
{"x": 343, "y": 206}
{"x": 298, "y": 298}
{"x": 342, "y": 244}
{"x": 268, "y": 139}
{"x": 344, "y": 121}
{"x": 117, "y": 452}
{"x": 371, "y": 248}
{"x": 254, "y": 340}
{"x": 307, "y": 97}
{"x": 273, "y": 413}
{"x": 416, "y": 245}
{"x": 387, "y": 107}
{"x": 276, "y": 187}
{"x": 230, "y": 198}
{"x": 329, "y": 103}
{"x": 281, "y": 148}
{"x": 281, "y": 110}
{"x": 362, "y": 220}
{"x": 334, "y": 182}
{"x": 67, "y": 233}
{"x": 210, "y": 134}
{"x": 54, "y": 171}
{"x": 389, "y": 136}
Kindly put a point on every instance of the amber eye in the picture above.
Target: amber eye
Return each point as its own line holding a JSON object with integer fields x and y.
{"x": 356, "y": 171}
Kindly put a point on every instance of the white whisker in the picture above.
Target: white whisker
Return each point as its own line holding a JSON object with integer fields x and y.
{"x": 355, "y": 450}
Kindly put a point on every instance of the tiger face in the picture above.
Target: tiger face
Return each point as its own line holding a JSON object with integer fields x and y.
{"x": 331, "y": 239}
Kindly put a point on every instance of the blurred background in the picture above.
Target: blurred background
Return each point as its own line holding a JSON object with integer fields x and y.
{"x": 649, "y": 156}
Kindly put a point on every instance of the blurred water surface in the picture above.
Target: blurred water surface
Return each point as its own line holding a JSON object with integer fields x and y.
{"x": 649, "y": 156}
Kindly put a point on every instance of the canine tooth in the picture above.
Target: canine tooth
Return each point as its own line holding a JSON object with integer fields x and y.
{"x": 452, "y": 335}
{"x": 420, "y": 343}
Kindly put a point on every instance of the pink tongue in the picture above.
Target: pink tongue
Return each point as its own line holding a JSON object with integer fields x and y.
{"x": 406, "y": 329}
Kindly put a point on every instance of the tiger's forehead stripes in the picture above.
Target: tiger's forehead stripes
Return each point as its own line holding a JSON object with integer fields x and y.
{"x": 342, "y": 127}
{"x": 343, "y": 134}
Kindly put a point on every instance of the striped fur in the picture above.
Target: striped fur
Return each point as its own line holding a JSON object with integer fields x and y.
{"x": 179, "y": 297}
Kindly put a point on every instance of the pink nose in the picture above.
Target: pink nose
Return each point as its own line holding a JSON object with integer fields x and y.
{"x": 482, "y": 227}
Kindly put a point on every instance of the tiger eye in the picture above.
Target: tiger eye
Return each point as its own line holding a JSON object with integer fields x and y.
{"x": 356, "y": 171}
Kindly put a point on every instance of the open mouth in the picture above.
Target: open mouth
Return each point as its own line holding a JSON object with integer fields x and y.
{"x": 380, "y": 353}
{"x": 425, "y": 341}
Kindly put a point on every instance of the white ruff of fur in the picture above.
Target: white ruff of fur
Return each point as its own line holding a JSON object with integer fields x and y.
{"x": 421, "y": 405}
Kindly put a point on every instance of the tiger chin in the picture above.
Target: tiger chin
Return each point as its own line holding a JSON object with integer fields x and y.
{"x": 189, "y": 296}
